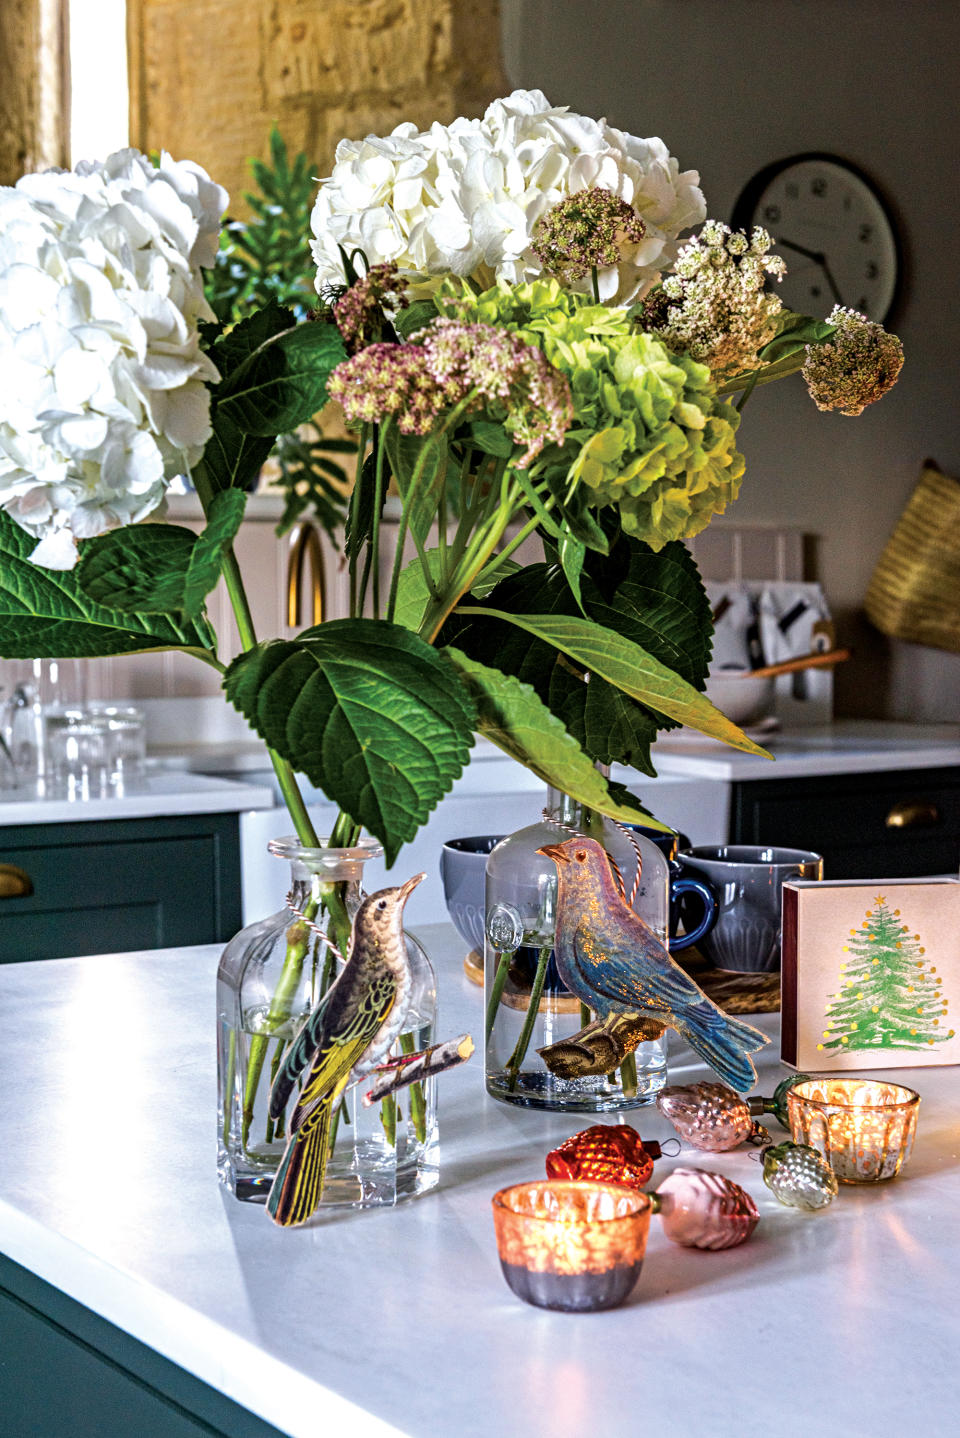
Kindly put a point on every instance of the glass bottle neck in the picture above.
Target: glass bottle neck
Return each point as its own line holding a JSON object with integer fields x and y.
{"x": 306, "y": 887}
{"x": 560, "y": 806}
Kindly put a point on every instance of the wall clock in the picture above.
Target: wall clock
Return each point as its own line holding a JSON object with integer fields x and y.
{"x": 832, "y": 228}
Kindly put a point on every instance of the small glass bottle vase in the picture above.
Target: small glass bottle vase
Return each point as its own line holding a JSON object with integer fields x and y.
{"x": 270, "y": 978}
{"x": 526, "y": 1003}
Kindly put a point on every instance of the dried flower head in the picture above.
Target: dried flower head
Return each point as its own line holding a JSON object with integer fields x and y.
{"x": 448, "y": 363}
{"x": 714, "y": 306}
{"x": 583, "y": 232}
{"x": 359, "y": 313}
{"x": 388, "y": 380}
{"x": 855, "y": 367}
{"x": 508, "y": 376}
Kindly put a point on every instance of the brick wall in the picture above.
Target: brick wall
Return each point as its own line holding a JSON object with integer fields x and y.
{"x": 209, "y": 77}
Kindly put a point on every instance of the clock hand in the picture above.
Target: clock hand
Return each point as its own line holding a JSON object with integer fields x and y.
{"x": 815, "y": 255}
{"x": 819, "y": 258}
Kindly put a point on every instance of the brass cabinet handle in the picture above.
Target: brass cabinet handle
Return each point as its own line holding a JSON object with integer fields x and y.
{"x": 14, "y": 882}
{"x": 305, "y": 540}
{"x": 913, "y": 814}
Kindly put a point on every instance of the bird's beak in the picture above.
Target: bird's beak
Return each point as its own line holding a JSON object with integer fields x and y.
{"x": 554, "y": 851}
{"x": 407, "y": 889}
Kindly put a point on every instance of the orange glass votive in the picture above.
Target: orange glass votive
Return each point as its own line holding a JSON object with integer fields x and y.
{"x": 572, "y": 1246}
{"x": 864, "y": 1128}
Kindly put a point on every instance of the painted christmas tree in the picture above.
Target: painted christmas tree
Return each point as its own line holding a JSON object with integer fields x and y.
{"x": 890, "y": 996}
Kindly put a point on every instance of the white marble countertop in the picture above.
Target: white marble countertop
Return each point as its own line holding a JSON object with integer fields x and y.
{"x": 848, "y": 746}
{"x": 153, "y": 794}
{"x": 398, "y": 1322}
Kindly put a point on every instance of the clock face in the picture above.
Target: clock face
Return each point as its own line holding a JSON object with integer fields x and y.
{"x": 832, "y": 230}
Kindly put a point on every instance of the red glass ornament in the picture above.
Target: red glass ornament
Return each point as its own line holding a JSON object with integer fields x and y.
{"x": 605, "y": 1153}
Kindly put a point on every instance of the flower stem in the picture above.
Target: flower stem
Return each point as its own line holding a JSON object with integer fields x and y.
{"x": 418, "y": 1107}
{"x": 533, "y": 1008}
{"x": 628, "y": 1076}
{"x": 240, "y": 605}
{"x": 499, "y": 979}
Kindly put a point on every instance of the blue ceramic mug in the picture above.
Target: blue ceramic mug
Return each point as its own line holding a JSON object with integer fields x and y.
{"x": 683, "y": 887}
{"x": 463, "y": 864}
{"x": 747, "y": 880}
{"x": 463, "y": 868}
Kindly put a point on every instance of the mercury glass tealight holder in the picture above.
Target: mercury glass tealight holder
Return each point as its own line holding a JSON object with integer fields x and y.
{"x": 576, "y": 1247}
{"x": 864, "y": 1128}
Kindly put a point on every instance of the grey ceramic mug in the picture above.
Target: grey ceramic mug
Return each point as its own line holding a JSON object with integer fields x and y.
{"x": 747, "y": 880}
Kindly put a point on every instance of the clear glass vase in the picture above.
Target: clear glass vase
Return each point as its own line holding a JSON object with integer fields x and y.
{"x": 526, "y": 1003}
{"x": 271, "y": 976}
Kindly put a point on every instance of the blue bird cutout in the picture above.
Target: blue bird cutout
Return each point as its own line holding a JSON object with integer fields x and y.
{"x": 612, "y": 962}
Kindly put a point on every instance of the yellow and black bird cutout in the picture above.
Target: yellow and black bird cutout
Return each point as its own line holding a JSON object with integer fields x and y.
{"x": 348, "y": 1034}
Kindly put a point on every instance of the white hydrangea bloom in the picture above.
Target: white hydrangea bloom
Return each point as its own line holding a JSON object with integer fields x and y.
{"x": 103, "y": 394}
{"x": 464, "y": 198}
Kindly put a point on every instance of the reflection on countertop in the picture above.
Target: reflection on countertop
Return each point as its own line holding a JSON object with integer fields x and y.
{"x": 848, "y": 746}
{"x": 158, "y": 791}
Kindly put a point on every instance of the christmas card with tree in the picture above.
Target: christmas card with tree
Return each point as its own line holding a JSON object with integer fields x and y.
{"x": 870, "y": 973}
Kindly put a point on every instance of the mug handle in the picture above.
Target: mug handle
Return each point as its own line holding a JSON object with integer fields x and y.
{"x": 710, "y": 910}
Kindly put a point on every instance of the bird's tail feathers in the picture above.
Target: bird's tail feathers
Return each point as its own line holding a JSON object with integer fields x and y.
{"x": 724, "y": 1042}
{"x": 298, "y": 1183}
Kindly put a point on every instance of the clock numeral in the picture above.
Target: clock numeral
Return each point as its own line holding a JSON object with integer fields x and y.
{"x": 862, "y": 304}
{"x": 818, "y": 186}
{"x": 865, "y": 233}
{"x": 771, "y": 213}
{"x": 873, "y": 270}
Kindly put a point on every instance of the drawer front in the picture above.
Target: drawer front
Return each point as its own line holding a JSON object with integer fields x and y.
{"x": 130, "y": 884}
{"x": 900, "y": 824}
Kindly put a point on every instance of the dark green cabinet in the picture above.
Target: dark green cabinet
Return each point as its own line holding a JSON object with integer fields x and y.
{"x": 107, "y": 886}
{"x": 893, "y": 825}
{"x": 66, "y": 1371}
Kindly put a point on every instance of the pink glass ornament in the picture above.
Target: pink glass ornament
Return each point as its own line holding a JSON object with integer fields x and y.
{"x": 710, "y": 1116}
{"x": 705, "y": 1210}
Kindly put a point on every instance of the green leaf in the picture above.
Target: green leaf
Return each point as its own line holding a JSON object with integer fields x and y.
{"x": 413, "y": 592}
{"x": 548, "y": 521}
{"x": 237, "y": 344}
{"x": 369, "y": 712}
{"x": 139, "y": 569}
{"x": 511, "y": 715}
{"x": 572, "y": 554}
{"x": 609, "y": 725}
{"x": 491, "y": 438}
{"x": 284, "y": 382}
{"x": 657, "y": 600}
{"x": 486, "y": 585}
{"x": 207, "y": 555}
{"x": 232, "y": 459}
{"x": 358, "y": 527}
{"x": 631, "y": 669}
{"x": 415, "y": 317}
{"x": 45, "y": 614}
{"x": 161, "y": 568}
{"x": 793, "y": 333}
{"x": 419, "y": 465}
{"x": 575, "y": 511}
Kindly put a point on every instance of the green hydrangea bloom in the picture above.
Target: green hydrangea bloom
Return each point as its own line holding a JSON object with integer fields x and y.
{"x": 649, "y": 433}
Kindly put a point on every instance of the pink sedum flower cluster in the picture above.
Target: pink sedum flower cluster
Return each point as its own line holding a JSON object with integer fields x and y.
{"x": 359, "y": 313}
{"x": 452, "y": 363}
